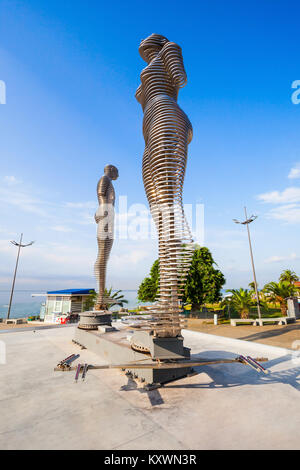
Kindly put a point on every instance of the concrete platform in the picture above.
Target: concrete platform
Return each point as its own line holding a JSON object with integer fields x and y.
{"x": 223, "y": 407}
{"x": 115, "y": 347}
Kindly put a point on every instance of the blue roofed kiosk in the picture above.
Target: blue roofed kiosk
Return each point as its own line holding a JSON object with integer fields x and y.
{"x": 65, "y": 302}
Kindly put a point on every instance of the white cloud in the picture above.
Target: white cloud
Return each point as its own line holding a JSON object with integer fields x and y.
{"x": 85, "y": 219}
{"x": 61, "y": 228}
{"x": 126, "y": 260}
{"x": 6, "y": 247}
{"x": 295, "y": 172}
{"x": 289, "y": 213}
{"x": 81, "y": 205}
{"x": 10, "y": 180}
{"x": 277, "y": 259}
{"x": 6, "y": 231}
{"x": 65, "y": 259}
{"x": 23, "y": 200}
{"x": 289, "y": 195}
{"x": 288, "y": 207}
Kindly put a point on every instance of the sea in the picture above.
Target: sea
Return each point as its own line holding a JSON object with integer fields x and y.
{"x": 24, "y": 305}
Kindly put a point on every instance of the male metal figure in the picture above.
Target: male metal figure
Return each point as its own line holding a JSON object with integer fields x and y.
{"x": 104, "y": 218}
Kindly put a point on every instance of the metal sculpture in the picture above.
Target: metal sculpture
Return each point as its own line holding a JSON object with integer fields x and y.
{"x": 104, "y": 218}
{"x": 157, "y": 354}
{"x": 167, "y": 133}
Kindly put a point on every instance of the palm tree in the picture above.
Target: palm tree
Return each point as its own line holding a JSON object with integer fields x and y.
{"x": 114, "y": 298}
{"x": 252, "y": 285}
{"x": 241, "y": 301}
{"x": 279, "y": 292}
{"x": 289, "y": 276}
{"x": 111, "y": 298}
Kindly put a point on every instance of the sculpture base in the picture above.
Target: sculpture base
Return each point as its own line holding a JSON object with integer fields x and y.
{"x": 94, "y": 318}
{"x": 115, "y": 347}
{"x": 159, "y": 348}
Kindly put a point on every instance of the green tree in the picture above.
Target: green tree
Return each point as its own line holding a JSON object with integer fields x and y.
{"x": 289, "y": 276}
{"x": 279, "y": 292}
{"x": 90, "y": 301}
{"x": 149, "y": 287}
{"x": 203, "y": 284}
{"x": 241, "y": 301}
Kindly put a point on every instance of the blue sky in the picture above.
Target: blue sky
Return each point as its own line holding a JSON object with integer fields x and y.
{"x": 71, "y": 70}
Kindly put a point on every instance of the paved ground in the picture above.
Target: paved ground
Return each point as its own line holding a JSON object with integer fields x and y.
{"x": 10, "y": 326}
{"x": 29, "y": 327}
{"x": 223, "y": 407}
{"x": 274, "y": 335}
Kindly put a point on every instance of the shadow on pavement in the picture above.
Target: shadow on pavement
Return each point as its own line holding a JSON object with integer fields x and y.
{"x": 271, "y": 333}
{"x": 236, "y": 375}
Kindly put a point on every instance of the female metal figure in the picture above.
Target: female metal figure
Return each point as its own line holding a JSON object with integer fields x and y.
{"x": 167, "y": 133}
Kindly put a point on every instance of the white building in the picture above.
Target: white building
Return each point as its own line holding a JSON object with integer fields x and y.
{"x": 63, "y": 302}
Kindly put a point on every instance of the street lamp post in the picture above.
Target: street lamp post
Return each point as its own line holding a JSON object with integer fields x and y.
{"x": 247, "y": 222}
{"x": 19, "y": 245}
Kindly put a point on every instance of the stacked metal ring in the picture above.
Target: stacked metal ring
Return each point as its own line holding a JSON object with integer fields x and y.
{"x": 167, "y": 133}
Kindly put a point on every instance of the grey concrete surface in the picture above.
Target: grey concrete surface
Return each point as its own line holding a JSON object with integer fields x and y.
{"x": 224, "y": 406}
{"x": 116, "y": 348}
{"x": 34, "y": 328}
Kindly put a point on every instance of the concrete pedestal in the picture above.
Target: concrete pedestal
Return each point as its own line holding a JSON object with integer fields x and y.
{"x": 115, "y": 347}
{"x": 159, "y": 348}
{"x": 92, "y": 319}
{"x": 293, "y": 308}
